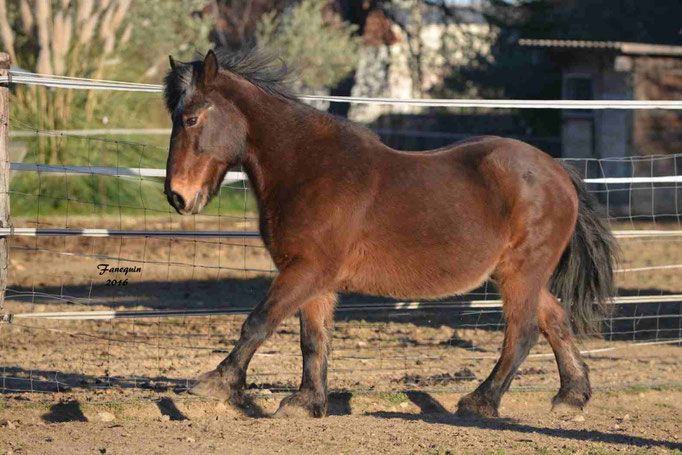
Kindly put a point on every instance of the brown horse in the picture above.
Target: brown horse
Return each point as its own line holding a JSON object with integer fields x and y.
{"x": 341, "y": 211}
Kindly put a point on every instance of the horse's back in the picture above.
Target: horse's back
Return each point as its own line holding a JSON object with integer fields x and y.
{"x": 515, "y": 169}
{"x": 442, "y": 221}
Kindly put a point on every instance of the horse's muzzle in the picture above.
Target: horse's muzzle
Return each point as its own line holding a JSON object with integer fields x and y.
{"x": 184, "y": 205}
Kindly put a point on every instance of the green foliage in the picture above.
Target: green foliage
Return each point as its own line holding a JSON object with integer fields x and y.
{"x": 107, "y": 41}
{"x": 396, "y": 398}
{"x": 34, "y": 196}
{"x": 316, "y": 41}
{"x": 507, "y": 70}
{"x": 308, "y": 35}
{"x": 159, "y": 28}
{"x": 162, "y": 28}
{"x": 44, "y": 194}
{"x": 134, "y": 47}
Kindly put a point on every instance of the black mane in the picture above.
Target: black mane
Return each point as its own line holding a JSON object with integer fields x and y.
{"x": 261, "y": 68}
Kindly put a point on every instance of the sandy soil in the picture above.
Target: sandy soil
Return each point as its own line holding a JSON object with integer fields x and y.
{"x": 374, "y": 355}
{"x": 393, "y": 373}
{"x": 628, "y": 421}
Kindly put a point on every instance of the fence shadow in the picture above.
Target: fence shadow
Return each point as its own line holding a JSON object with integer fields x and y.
{"x": 510, "y": 425}
{"x": 247, "y": 293}
{"x": 14, "y": 379}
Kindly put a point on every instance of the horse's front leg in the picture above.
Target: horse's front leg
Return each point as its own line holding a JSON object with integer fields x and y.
{"x": 296, "y": 284}
{"x": 311, "y": 399}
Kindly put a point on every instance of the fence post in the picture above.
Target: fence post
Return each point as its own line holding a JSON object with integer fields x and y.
{"x": 4, "y": 174}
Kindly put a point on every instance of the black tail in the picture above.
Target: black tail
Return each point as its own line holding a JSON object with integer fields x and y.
{"x": 584, "y": 278}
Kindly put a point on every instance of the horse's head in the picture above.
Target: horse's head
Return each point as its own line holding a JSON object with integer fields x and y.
{"x": 208, "y": 136}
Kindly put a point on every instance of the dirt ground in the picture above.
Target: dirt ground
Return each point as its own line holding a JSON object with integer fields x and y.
{"x": 634, "y": 421}
{"x": 119, "y": 386}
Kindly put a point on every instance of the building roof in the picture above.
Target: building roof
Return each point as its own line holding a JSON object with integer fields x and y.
{"x": 622, "y": 47}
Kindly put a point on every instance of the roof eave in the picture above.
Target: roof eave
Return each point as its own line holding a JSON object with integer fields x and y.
{"x": 619, "y": 46}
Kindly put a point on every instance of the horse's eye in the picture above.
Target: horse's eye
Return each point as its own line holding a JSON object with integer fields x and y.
{"x": 191, "y": 121}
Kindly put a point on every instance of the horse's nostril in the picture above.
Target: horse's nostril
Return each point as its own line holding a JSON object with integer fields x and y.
{"x": 177, "y": 200}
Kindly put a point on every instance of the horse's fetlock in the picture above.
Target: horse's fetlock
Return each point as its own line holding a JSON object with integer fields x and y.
{"x": 235, "y": 379}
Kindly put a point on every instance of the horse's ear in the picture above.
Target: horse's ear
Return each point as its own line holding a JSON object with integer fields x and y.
{"x": 172, "y": 62}
{"x": 210, "y": 68}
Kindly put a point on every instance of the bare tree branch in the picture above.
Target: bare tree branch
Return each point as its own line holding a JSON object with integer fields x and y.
{"x": 6, "y": 32}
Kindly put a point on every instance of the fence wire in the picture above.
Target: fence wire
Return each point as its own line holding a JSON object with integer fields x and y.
{"x": 184, "y": 297}
{"x": 46, "y": 80}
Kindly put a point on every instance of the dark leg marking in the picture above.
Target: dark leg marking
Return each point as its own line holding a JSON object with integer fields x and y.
{"x": 295, "y": 285}
{"x": 554, "y": 324}
{"x": 311, "y": 399}
{"x": 521, "y": 333}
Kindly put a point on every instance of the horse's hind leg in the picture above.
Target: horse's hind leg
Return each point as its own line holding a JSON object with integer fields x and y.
{"x": 520, "y": 335}
{"x": 316, "y": 321}
{"x": 555, "y": 326}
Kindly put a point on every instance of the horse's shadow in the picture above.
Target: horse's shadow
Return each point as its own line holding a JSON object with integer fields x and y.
{"x": 433, "y": 412}
{"x": 510, "y": 425}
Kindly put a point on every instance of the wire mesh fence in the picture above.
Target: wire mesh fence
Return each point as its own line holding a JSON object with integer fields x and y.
{"x": 109, "y": 288}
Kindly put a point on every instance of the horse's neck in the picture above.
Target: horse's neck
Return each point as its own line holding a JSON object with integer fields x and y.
{"x": 278, "y": 135}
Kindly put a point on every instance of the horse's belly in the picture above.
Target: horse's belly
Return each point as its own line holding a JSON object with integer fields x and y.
{"x": 415, "y": 275}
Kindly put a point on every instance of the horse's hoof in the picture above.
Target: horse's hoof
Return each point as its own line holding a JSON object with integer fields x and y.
{"x": 301, "y": 404}
{"x": 212, "y": 385}
{"x": 571, "y": 398}
{"x": 474, "y": 405}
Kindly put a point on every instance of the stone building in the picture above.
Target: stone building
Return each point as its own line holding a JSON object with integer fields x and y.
{"x": 395, "y": 65}
{"x": 636, "y": 142}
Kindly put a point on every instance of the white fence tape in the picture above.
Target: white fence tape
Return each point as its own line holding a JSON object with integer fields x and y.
{"x": 95, "y": 132}
{"x": 615, "y": 180}
{"x": 20, "y": 77}
{"x": 231, "y": 177}
{"x": 504, "y": 104}
{"x": 75, "y": 232}
{"x": 85, "y": 232}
